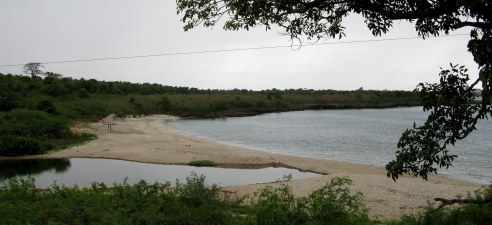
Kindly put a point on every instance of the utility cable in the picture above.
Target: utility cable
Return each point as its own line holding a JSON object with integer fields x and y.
{"x": 228, "y": 50}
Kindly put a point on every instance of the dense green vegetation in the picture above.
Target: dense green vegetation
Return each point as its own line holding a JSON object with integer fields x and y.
{"x": 460, "y": 215}
{"x": 191, "y": 202}
{"x": 202, "y": 163}
{"x": 142, "y": 203}
{"x": 36, "y": 112}
{"x": 27, "y": 132}
{"x": 194, "y": 202}
{"x": 92, "y": 99}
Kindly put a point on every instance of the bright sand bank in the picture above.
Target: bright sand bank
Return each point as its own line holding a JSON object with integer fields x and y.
{"x": 147, "y": 140}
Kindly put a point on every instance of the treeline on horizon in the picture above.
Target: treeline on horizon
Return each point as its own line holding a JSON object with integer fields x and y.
{"x": 71, "y": 85}
{"x": 36, "y": 113}
{"x": 91, "y": 99}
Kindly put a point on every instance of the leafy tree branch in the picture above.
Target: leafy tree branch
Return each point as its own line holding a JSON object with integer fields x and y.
{"x": 453, "y": 116}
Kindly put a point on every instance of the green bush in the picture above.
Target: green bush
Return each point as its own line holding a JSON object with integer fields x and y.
{"x": 46, "y": 106}
{"x": 334, "y": 204}
{"x": 194, "y": 202}
{"x": 7, "y": 100}
{"x": 83, "y": 93}
{"x": 30, "y": 123}
{"x": 195, "y": 193}
{"x": 278, "y": 205}
{"x": 141, "y": 203}
{"x": 331, "y": 204}
{"x": 16, "y": 146}
{"x": 165, "y": 104}
{"x": 26, "y": 132}
{"x": 467, "y": 214}
{"x": 202, "y": 163}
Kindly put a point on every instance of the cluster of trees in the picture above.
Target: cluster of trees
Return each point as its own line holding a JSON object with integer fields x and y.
{"x": 56, "y": 85}
{"x": 55, "y": 93}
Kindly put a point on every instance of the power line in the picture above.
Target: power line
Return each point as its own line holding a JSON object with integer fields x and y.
{"x": 228, "y": 50}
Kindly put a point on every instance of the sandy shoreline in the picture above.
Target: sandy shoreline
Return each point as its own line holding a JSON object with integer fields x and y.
{"x": 146, "y": 140}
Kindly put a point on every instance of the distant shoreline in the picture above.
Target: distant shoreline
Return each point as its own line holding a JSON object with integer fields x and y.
{"x": 146, "y": 140}
{"x": 259, "y": 111}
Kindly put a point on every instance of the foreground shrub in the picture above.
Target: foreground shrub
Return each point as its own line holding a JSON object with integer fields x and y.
{"x": 334, "y": 204}
{"x": 188, "y": 203}
{"x": 194, "y": 202}
{"x": 330, "y": 204}
{"x": 278, "y": 205}
{"x": 467, "y": 214}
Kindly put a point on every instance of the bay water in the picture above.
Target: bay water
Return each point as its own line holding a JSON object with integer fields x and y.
{"x": 364, "y": 136}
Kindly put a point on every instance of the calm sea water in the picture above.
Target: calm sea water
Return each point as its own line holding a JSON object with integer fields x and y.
{"x": 365, "y": 136}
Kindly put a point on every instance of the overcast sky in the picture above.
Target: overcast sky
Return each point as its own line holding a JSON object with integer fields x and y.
{"x": 59, "y": 30}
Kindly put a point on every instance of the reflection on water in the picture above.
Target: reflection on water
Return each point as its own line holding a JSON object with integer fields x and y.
{"x": 83, "y": 172}
{"x": 13, "y": 168}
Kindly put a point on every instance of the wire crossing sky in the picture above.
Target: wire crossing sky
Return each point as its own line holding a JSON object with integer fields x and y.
{"x": 101, "y": 40}
{"x": 228, "y": 50}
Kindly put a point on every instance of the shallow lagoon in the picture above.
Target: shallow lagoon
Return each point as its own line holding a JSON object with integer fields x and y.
{"x": 84, "y": 171}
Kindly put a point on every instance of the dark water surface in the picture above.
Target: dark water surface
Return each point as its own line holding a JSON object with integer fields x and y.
{"x": 83, "y": 172}
{"x": 365, "y": 136}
